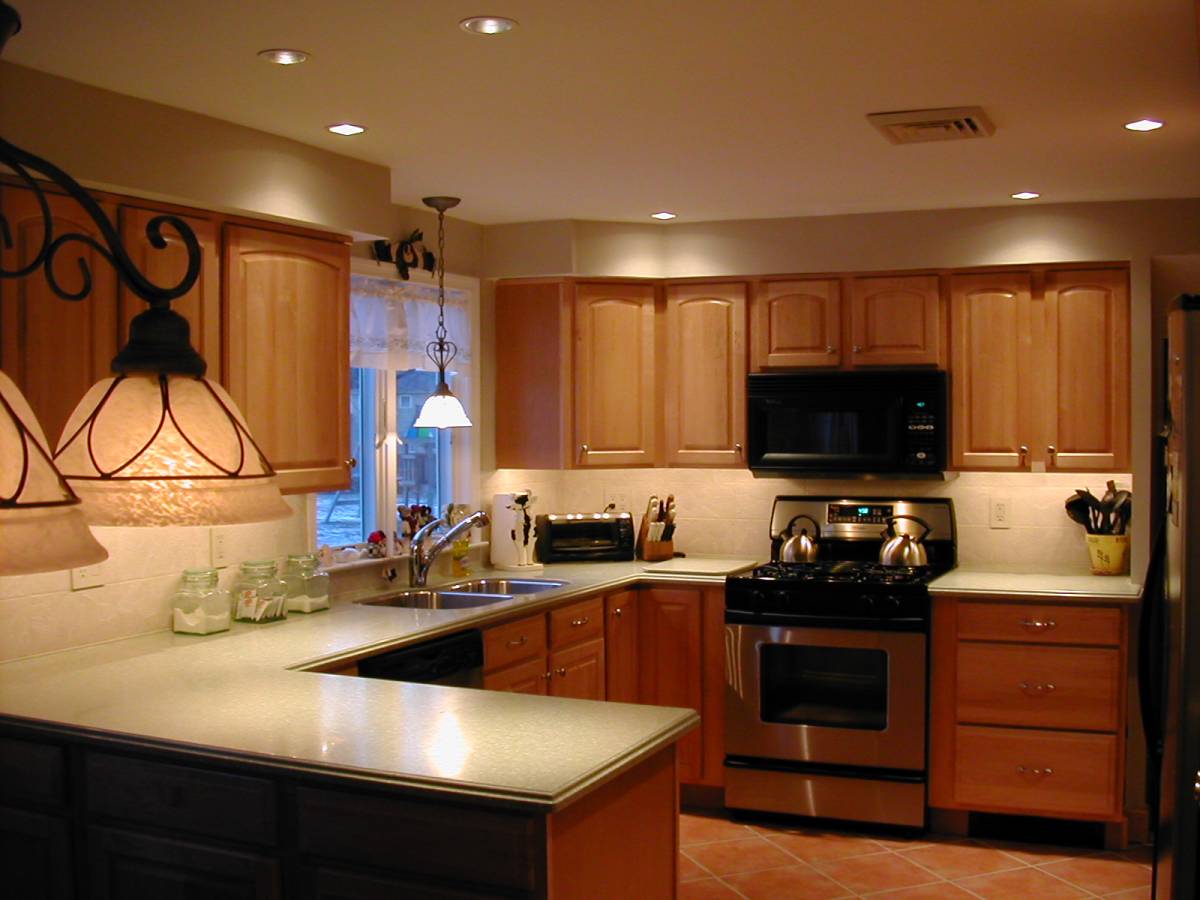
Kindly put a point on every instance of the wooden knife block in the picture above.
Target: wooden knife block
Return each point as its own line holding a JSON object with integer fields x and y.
{"x": 652, "y": 551}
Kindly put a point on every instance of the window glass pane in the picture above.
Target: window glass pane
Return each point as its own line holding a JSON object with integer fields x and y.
{"x": 347, "y": 517}
{"x": 423, "y": 456}
{"x": 839, "y": 687}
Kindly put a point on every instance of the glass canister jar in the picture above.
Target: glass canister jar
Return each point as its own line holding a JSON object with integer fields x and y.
{"x": 259, "y": 595}
{"x": 308, "y": 587}
{"x": 200, "y": 606}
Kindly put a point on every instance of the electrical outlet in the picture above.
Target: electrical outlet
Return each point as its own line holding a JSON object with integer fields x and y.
{"x": 219, "y": 541}
{"x": 618, "y": 498}
{"x": 999, "y": 512}
{"x": 87, "y": 577}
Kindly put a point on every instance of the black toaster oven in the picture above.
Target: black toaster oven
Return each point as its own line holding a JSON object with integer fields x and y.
{"x": 584, "y": 537}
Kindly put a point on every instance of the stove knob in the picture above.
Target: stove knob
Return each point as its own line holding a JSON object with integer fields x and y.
{"x": 889, "y": 604}
{"x": 867, "y": 601}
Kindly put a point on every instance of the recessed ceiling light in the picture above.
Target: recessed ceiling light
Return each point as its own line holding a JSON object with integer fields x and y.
{"x": 1025, "y": 195}
{"x": 345, "y": 128}
{"x": 487, "y": 24}
{"x": 1144, "y": 125}
{"x": 283, "y": 57}
{"x": 664, "y": 215}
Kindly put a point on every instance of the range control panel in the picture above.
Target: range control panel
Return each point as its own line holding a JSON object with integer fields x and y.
{"x": 859, "y": 514}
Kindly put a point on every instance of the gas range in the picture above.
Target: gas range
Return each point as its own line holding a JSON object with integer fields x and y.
{"x": 846, "y": 583}
{"x": 825, "y": 702}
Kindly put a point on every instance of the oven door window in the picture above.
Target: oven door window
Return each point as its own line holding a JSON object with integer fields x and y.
{"x": 830, "y": 687}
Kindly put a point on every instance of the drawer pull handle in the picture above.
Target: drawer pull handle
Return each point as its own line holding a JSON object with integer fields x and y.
{"x": 1022, "y": 770}
{"x": 1037, "y": 688}
{"x": 561, "y": 672}
{"x": 582, "y": 620}
{"x": 519, "y": 642}
{"x": 1038, "y": 624}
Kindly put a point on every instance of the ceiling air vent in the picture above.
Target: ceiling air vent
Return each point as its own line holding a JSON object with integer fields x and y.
{"x": 916, "y": 126}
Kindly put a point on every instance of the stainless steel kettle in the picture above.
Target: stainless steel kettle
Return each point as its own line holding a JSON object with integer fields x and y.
{"x": 901, "y": 549}
{"x": 801, "y": 547}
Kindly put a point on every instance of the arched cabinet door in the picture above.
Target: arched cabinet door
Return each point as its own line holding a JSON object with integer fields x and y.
{"x": 287, "y": 352}
{"x": 895, "y": 321}
{"x": 614, "y": 375}
{"x": 797, "y": 323}
{"x": 705, "y": 378}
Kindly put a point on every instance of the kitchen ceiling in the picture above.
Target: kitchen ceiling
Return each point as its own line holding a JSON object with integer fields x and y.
{"x": 615, "y": 109}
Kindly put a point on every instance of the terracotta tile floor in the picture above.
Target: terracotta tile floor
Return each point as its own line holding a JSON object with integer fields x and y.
{"x": 727, "y": 859}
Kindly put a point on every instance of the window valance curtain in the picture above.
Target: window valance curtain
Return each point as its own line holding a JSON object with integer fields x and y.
{"x": 392, "y": 321}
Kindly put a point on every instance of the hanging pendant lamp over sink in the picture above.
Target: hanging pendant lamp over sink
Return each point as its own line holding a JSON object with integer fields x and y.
{"x": 441, "y": 409}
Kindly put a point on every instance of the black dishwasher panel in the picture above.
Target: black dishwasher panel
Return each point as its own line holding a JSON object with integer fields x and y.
{"x": 454, "y": 660}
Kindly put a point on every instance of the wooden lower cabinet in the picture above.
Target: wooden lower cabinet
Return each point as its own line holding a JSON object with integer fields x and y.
{"x": 334, "y": 839}
{"x": 529, "y": 677}
{"x": 621, "y": 647}
{"x": 35, "y": 855}
{"x": 124, "y": 865}
{"x": 578, "y": 671}
{"x": 1028, "y": 709}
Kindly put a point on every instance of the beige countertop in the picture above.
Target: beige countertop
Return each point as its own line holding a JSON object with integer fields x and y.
{"x": 240, "y": 694}
{"x": 1049, "y": 586}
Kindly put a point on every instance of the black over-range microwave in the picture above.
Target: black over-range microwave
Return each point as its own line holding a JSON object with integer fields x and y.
{"x": 882, "y": 422}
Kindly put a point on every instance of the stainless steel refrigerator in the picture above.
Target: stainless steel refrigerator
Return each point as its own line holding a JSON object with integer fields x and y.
{"x": 1172, "y": 616}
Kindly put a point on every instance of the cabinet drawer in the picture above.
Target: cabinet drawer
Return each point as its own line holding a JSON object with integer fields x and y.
{"x": 1039, "y": 623}
{"x": 31, "y": 773}
{"x": 439, "y": 840}
{"x": 580, "y": 621}
{"x": 1036, "y": 771}
{"x": 234, "y": 807}
{"x": 513, "y": 642}
{"x": 1046, "y": 687}
{"x": 528, "y": 677}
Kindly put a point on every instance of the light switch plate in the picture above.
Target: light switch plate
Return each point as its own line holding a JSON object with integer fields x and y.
{"x": 88, "y": 577}
{"x": 219, "y": 546}
{"x": 999, "y": 512}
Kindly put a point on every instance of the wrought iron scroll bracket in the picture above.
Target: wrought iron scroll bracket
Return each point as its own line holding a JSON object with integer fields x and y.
{"x": 23, "y": 163}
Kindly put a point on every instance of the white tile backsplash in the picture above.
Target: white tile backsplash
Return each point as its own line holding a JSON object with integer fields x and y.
{"x": 726, "y": 512}
{"x": 40, "y": 613}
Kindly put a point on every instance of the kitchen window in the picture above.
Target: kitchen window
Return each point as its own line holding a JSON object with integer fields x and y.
{"x": 398, "y": 465}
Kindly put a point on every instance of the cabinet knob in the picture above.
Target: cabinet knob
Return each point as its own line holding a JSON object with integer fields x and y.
{"x": 856, "y": 349}
{"x": 1024, "y": 451}
{"x": 1038, "y": 625}
{"x": 1022, "y": 770}
{"x": 584, "y": 450}
{"x": 829, "y": 348}
{"x": 737, "y": 448}
{"x": 618, "y": 612}
{"x": 1037, "y": 688}
{"x": 561, "y": 672}
{"x": 351, "y": 463}
{"x": 545, "y": 675}
{"x": 1050, "y": 451}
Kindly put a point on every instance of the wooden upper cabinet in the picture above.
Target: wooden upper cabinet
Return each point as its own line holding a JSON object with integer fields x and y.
{"x": 614, "y": 375}
{"x": 201, "y": 306}
{"x": 1084, "y": 394}
{"x": 991, "y": 361}
{"x": 287, "y": 351}
{"x": 533, "y": 374}
{"x": 705, "y": 396}
{"x": 895, "y": 321}
{"x": 54, "y": 349}
{"x": 797, "y": 323}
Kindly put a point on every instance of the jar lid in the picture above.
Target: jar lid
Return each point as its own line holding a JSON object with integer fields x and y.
{"x": 205, "y": 572}
{"x": 258, "y": 565}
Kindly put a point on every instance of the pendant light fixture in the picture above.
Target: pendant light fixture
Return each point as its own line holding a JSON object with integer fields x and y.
{"x": 41, "y": 526}
{"x": 441, "y": 408}
{"x": 158, "y": 444}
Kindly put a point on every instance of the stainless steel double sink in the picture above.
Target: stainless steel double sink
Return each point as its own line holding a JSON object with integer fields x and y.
{"x": 466, "y": 594}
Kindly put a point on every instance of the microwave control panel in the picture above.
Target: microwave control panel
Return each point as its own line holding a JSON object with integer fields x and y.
{"x": 922, "y": 437}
